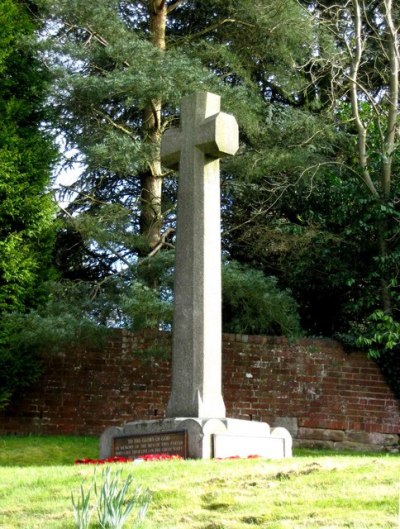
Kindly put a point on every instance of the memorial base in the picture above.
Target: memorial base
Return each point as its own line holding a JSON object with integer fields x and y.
{"x": 196, "y": 438}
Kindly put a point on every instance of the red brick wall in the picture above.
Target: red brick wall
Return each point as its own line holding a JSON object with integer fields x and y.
{"x": 325, "y": 396}
{"x": 322, "y": 394}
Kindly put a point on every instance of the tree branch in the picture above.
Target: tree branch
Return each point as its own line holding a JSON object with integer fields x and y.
{"x": 173, "y": 6}
{"x": 112, "y": 122}
{"x": 354, "y": 73}
{"x": 93, "y": 35}
{"x": 162, "y": 242}
{"x": 393, "y": 98}
{"x": 216, "y": 26}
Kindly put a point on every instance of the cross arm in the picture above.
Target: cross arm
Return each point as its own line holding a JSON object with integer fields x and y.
{"x": 218, "y": 135}
{"x": 171, "y": 148}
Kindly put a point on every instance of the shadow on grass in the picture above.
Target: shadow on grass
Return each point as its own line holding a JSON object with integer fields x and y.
{"x": 33, "y": 450}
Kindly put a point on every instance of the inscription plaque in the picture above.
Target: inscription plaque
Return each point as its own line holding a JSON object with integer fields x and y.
{"x": 135, "y": 446}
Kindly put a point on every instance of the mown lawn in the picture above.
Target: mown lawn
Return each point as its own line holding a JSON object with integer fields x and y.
{"x": 314, "y": 490}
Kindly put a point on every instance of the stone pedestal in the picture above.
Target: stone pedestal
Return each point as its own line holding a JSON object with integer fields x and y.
{"x": 208, "y": 438}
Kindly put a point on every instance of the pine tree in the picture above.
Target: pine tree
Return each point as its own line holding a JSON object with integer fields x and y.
{"x": 128, "y": 66}
{"x": 122, "y": 71}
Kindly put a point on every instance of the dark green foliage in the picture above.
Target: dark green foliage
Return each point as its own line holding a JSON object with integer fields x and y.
{"x": 26, "y": 155}
{"x": 304, "y": 212}
{"x": 295, "y": 207}
{"x": 253, "y": 303}
{"x": 82, "y": 313}
{"x": 281, "y": 212}
{"x": 320, "y": 244}
{"x": 26, "y": 205}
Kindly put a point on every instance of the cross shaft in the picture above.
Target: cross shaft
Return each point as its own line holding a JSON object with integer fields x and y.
{"x": 205, "y": 135}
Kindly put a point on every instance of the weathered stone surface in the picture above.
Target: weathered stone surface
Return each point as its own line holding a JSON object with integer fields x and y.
{"x": 205, "y": 135}
{"x": 373, "y": 438}
{"x": 385, "y": 439}
{"x": 347, "y": 440}
{"x": 322, "y": 434}
{"x": 196, "y": 405}
{"x": 358, "y": 447}
{"x": 290, "y": 423}
{"x": 358, "y": 437}
{"x": 313, "y": 443}
{"x": 202, "y": 126}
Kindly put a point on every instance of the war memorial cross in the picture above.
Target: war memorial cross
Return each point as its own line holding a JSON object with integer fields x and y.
{"x": 205, "y": 135}
{"x": 196, "y": 411}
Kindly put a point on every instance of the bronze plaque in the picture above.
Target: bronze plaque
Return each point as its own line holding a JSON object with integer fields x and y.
{"x": 135, "y": 446}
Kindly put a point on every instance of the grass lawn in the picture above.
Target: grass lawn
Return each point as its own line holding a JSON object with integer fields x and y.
{"x": 314, "y": 490}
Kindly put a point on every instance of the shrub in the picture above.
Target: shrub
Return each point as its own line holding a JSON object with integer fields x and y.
{"x": 254, "y": 304}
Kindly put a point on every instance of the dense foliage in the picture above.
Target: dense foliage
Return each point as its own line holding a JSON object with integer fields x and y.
{"x": 300, "y": 201}
{"x": 321, "y": 211}
{"x": 26, "y": 206}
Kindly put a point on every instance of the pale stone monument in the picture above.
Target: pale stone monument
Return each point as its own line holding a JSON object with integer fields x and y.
{"x": 205, "y": 136}
{"x": 196, "y": 408}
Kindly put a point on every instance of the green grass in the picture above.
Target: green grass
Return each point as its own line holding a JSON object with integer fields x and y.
{"x": 45, "y": 451}
{"x": 316, "y": 490}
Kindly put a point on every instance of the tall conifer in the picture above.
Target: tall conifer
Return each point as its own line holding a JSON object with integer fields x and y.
{"x": 26, "y": 206}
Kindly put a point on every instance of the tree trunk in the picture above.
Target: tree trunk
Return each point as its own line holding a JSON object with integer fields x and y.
{"x": 389, "y": 142}
{"x": 151, "y": 181}
{"x": 387, "y": 122}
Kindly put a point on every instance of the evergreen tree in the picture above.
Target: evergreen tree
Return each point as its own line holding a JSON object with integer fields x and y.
{"x": 123, "y": 68}
{"x": 26, "y": 205}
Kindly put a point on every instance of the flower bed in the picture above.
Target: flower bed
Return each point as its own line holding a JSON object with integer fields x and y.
{"x": 146, "y": 457}
{"x": 119, "y": 459}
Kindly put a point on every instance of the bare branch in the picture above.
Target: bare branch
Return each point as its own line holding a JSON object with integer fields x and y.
{"x": 354, "y": 74}
{"x": 393, "y": 98}
{"x": 216, "y": 26}
{"x": 112, "y": 122}
{"x": 162, "y": 242}
{"x": 176, "y": 4}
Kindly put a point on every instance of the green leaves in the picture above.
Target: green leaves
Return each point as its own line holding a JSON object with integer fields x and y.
{"x": 113, "y": 502}
{"x": 144, "y": 307}
{"x": 82, "y": 509}
{"x": 381, "y": 334}
{"x": 254, "y": 304}
{"x": 26, "y": 208}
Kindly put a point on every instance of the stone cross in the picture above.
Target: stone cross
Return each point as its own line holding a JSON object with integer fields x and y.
{"x": 205, "y": 135}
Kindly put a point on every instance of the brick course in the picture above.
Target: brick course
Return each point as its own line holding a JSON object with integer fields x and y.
{"x": 325, "y": 396}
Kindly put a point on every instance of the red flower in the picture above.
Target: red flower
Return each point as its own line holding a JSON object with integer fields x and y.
{"x": 146, "y": 457}
{"x": 119, "y": 459}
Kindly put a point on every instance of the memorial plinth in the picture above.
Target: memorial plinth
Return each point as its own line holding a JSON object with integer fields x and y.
{"x": 206, "y": 438}
{"x": 196, "y": 404}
